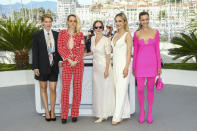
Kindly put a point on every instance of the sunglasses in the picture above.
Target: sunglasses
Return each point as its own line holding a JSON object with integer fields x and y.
{"x": 72, "y": 21}
{"x": 98, "y": 27}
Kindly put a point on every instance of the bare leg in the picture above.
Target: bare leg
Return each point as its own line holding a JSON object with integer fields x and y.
{"x": 52, "y": 97}
{"x": 43, "y": 87}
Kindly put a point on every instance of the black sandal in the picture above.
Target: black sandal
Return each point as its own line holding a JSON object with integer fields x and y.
{"x": 53, "y": 119}
{"x": 48, "y": 119}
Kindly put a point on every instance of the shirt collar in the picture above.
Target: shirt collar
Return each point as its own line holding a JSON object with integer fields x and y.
{"x": 45, "y": 32}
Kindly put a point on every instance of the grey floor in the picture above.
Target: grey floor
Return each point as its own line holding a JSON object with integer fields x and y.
{"x": 175, "y": 109}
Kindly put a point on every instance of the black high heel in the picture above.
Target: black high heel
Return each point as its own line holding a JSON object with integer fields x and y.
{"x": 53, "y": 119}
{"x": 64, "y": 121}
{"x": 48, "y": 119}
{"x": 74, "y": 119}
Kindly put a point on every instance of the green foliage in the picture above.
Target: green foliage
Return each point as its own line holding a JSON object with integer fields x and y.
{"x": 10, "y": 67}
{"x": 171, "y": 1}
{"x": 164, "y": 38}
{"x": 181, "y": 66}
{"x": 162, "y": 14}
{"x": 193, "y": 24}
{"x": 187, "y": 49}
{"x": 16, "y": 35}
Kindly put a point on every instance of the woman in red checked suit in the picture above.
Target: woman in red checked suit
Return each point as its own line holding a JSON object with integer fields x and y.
{"x": 71, "y": 49}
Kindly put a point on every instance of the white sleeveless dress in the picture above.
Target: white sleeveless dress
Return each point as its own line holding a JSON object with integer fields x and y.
{"x": 122, "y": 106}
{"x": 103, "y": 89}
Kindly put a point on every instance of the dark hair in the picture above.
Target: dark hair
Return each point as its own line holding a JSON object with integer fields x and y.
{"x": 98, "y": 21}
{"x": 141, "y": 14}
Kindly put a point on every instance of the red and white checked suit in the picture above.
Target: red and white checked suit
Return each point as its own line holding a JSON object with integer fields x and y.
{"x": 75, "y": 54}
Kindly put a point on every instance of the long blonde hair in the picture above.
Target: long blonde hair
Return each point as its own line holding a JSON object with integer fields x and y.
{"x": 123, "y": 16}
{"x": 78, "y": 26}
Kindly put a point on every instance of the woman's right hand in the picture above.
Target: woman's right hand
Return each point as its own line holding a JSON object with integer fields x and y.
{"x": 36, "y": 72}
{"x": 70, "y": 62}
{"x": 125, "y": 72}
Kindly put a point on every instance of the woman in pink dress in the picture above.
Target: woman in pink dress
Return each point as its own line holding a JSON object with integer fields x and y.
{"x": 146, "y": 63}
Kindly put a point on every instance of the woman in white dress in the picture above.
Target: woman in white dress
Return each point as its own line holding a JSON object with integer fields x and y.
{"x": 122, "y": 46}
{"x": 103, "y": 88}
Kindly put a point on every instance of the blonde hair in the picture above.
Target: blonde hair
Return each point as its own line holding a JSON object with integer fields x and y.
{"x": 123, "y": 16}
{"x": 78, "y": 27}
{"x": 46, "y": 16}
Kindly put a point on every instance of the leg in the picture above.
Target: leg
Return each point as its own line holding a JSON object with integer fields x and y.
{"x": 150, "y": 97}
{"x": 140, "y": 85}
{"x": 66, "y": 78}
{"x": 52, "y": 97}
{"x": 77, "y": 86}
{"x": 43, "y": 87}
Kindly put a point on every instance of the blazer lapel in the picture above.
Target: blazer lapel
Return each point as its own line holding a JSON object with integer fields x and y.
{"x": 43, "y": 40}
{"x": 54, "y": 36}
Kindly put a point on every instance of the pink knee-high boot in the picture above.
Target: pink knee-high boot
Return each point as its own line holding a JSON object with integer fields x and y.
{"x": 150, "y": 97}
{"x": 140, "y": 85}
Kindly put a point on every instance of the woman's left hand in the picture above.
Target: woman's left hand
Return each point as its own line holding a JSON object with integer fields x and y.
{"x": 159, "y": 72}
{"x": 74, "y": 63}
{"x": 106, "y": 73}
{"x": 125, "y": 72}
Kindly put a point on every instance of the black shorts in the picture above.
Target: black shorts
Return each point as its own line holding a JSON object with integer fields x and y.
{"x": 47, "y": 77}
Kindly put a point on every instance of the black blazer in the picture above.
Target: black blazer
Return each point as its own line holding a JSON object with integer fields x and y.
{"x": 40, "y": 58}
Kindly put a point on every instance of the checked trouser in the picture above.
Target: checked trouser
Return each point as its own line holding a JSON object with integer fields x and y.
{"x": 67, "y": 73}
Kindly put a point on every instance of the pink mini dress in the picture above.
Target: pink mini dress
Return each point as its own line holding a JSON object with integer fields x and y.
{"x": 146, "y": 56}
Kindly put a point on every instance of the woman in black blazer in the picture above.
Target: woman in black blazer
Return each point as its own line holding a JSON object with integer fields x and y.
{"x": 45, "y": 63}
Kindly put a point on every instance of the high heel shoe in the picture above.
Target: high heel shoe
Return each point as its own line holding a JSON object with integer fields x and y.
{"x": 116, "y": 123}
{"x": 141, "y": 117}
{"x": 74, "y": 119}
{"x": 48, "y": 119}
{"x": 53, "y": 119}
{"x": 149, "y": 118}
{"x": 100, "y": 120}
{"x": 64, "y": 121}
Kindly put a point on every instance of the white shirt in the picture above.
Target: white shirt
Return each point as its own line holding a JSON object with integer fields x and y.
{"x": 51, "y": 37}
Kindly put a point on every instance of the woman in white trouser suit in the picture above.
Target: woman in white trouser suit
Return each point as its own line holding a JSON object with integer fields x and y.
{"x": 122, "y": 45}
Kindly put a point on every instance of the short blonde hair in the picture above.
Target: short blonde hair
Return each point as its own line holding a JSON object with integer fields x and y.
{"x": 123, "y": 16}
{"x": 46, "y": 16}
{"x": 78, "y": 27}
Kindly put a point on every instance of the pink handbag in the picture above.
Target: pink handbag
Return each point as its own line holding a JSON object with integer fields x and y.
{"x": 159, "y": 84}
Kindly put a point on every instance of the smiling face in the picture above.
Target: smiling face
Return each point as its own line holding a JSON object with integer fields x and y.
{"x": 98, "y": 28}
{"x": 47, "y": 23}
{"x": 120, "y": 23}
{"x": 144, "y": 20}
{"x": 72, "y": 22}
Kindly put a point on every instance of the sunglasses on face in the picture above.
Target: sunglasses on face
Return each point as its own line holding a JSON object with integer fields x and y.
{"x": 75, "y": 21}
{"x": 98, "y": 27}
